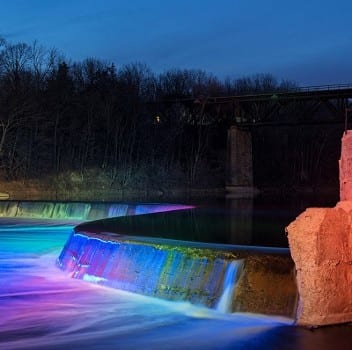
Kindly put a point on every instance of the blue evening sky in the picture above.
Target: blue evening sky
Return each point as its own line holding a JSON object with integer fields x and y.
{"x": 309, "y": 41}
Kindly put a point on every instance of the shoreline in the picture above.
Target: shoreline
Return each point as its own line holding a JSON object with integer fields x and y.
{"x": 36, "y": 190}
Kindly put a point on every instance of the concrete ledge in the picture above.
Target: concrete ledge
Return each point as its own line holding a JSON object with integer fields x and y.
{"x": 180, "y": 270}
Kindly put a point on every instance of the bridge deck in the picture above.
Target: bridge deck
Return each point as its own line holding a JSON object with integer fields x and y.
{"x": 336, "y": 91}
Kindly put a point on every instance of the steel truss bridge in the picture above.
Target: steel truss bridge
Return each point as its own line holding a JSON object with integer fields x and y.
{"x": 268, "y": 108}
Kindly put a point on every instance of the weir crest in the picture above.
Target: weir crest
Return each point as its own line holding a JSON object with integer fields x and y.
{"x": 167, "y": 253}
{"x": 149, "y": 255}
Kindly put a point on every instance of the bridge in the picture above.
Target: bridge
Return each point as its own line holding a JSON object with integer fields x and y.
{"x": 263, "y": 109}
{"x": 333, "y": 98}
{"x": 305, "y": 92}
{"x": 269, "y": 105}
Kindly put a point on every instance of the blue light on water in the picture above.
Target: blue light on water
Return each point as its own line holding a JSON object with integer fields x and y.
{"x": 80, "y": 211}
{"x": 42, "y": 308}
{"x": 145, "y": 269}
{"x": 233, "y": 271}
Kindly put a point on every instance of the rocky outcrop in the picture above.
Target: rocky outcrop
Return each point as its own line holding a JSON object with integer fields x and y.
{"x": 320, "y": 241}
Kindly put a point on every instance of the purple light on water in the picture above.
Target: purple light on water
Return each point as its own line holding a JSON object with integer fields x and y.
{"x": 158, "y": 208}
{"x": 81, "y": 211}
{"x": 145, "y": 269}
{"x": 42, "y": 308}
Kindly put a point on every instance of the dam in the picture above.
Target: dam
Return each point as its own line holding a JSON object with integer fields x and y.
{"x": 170, "y": 251}
{"x": 182, "y": 255}
{"x": 189, "y": 285}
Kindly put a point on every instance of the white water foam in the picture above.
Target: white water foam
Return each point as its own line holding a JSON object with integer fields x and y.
{"x": 42, "y": 308}
{"x": 232, "y": 275}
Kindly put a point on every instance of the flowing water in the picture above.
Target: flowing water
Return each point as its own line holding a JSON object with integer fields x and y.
{"x": 42, "y": 308}
{"x": 231, "y": 277}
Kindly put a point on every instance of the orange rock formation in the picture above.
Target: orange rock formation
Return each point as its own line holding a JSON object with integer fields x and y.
{"x": 320, "y": 241}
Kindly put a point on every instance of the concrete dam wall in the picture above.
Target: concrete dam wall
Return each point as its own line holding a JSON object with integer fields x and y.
{"x": 83, "y": 211}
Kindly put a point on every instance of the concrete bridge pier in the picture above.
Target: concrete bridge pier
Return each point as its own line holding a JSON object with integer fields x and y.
{"x": 320, "y": 242}
{"x": 239, "y": 182}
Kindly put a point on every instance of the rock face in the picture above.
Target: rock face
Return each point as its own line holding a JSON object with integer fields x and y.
{"x": 320, "y": 241}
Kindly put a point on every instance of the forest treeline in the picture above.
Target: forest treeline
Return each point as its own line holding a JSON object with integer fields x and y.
{"x": 134, "y": 128}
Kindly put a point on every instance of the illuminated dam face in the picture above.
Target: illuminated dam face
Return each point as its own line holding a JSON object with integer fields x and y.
{"x": 41, "y": 308}
{"x": 134, "y": 255}
{"x": 168, "y": 272}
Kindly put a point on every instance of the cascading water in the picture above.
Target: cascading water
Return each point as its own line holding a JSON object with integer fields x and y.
{"x": 165, "y": 272}
{"x": 43, "y": 309}
{"x": 200, "y": 273}
{"x": 80, "y": 210}
{"x": 232, "y": 275}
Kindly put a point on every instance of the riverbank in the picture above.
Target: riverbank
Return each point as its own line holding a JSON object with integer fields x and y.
{"x": 55, "y": 190}
{"x": 31, "y": 190}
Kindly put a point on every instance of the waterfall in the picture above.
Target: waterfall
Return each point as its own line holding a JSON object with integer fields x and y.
{"x": 232, "y": 275}
{"x": 168, "y": 272}
{"x": 80, "y": 210}
{"x": 116, "y": 210}
{"x": 182, "y": 271}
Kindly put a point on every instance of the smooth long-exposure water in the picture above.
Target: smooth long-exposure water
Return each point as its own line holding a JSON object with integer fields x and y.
{"x": 42, "y": 308}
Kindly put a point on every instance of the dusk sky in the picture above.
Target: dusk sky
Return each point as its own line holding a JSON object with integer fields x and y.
{"x": 308, "y": 41}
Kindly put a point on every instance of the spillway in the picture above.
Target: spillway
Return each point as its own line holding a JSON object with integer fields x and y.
{"x": 42, "y": 308}
{"x": 171, "y": 251}
{"x": 163, "y": 255}
{"x": 82, "y": 211}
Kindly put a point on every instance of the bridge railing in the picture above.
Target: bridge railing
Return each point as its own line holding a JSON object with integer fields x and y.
{"x": 321, "y": 87}
{"x": 265, "y": 95}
